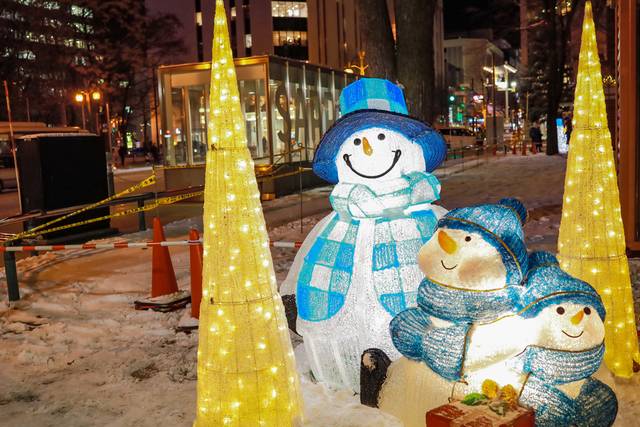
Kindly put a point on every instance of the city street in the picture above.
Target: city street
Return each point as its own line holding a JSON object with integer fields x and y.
{"x": 60, "y": 341}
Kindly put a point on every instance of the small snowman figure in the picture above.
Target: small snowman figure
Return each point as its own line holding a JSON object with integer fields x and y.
{"x": 566, "y": 352}
{"x": 474, "y": 264}
{"x": 358, "y": 267}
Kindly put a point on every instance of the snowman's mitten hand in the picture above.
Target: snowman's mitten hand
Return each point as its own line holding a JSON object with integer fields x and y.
{"x": 363, "y": 202}
{"x": 444, "y": 350}
{"x": 407, "y": 331}
{"x": 425, "y": 187}
{"x": 355, "y": 200}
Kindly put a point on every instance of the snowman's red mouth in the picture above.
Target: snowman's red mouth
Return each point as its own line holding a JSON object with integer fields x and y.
{"x": 573, "y": 336}
{"x": 396, "y": 157}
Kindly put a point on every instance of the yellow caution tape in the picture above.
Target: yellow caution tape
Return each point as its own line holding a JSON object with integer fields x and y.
{"x": 150, "y": 180}
{"x": 155, "y": 204}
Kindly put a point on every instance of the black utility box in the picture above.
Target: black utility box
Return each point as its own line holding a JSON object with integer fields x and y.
{"x": 63, "y": 170}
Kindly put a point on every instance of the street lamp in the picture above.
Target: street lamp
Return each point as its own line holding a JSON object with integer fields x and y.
{"x": 80, "y": 100}
{"x": 83, "y": 95}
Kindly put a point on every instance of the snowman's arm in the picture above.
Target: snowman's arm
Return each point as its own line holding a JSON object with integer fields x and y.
{"x": 425, "y": 188}
{"x": 497, "y": 341}
{"x": 356, "y": 200}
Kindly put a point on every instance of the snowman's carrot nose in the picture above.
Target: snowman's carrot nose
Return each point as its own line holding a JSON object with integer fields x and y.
{"x": 366, "y": 147}
{"x": 446, "y": 242}
{"x": 577, "y": 318}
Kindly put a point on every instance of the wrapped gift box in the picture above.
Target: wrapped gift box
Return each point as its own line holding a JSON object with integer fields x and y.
{"x": 457, "y": 414}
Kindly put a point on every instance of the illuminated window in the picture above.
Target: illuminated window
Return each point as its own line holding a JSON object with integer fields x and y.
{"x": 26, "y": 54}
{"x": 51, "y": 5}
{"x": 288, "y": 9}
{"x": 81, "y": 11}
{"x": 289, "y": 38}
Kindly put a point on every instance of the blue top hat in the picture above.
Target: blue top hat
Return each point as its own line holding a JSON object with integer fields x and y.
{"x": 369, "y": 103}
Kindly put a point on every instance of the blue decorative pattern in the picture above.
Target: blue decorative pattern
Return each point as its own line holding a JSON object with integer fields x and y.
{"x": 595, "y": 406}
{"x": 372, "y": 94}
{"x": 442, "y": 349}
{"x": 326, "y": 273}
{"x": 547, "y": 285}
{"x": 460, "y": 305}
{"x": 327, "y": 269}
{"x": 559, "y": 367}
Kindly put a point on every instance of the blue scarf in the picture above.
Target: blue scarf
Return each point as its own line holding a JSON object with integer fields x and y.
{"x": 465, "y": 306}
{"x": 560, "y": 367}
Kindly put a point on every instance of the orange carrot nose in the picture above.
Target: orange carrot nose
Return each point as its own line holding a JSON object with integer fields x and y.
{"x": 366, "y": 147}
{"x": 447, "y": 243}
{"x": 577, "y": 318}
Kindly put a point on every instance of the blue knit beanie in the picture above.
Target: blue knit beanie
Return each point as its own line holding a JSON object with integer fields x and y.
{"x": 546, "y": 284}
{"x": 501, "y": 225}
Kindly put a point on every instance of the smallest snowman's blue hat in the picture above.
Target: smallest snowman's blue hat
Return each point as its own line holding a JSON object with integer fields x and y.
{"x": 547, "y": 284}
{"x": 368, "y": 103}
{"x": 501, "y": 225}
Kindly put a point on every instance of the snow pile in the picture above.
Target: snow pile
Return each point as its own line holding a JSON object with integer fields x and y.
{"x": 76, "y": 353}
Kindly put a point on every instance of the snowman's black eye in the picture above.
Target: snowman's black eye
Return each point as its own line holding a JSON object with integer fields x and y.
{"x": 381, "y": 136}
{"x": 357, "y": 141}
{"x": 587, "y": 311}
{"x": 467, "y": 239}
{"x": 560, "y": 310}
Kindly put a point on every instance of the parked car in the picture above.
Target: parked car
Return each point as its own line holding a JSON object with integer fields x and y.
{"x": 457, "y": 138}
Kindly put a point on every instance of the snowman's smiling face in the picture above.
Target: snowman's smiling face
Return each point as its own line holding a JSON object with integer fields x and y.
{"x": 377, "y": 154}
{"x": 463, "y": 260}
{"x": 570, "y": 326}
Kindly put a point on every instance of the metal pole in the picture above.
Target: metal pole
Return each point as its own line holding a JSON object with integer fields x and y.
{"x": 11, "y": 273}
{"x": 506, "y": 98}
{"x": 142, "y": 225}
{"x": 12, "y": 142}
{"x": 108, "y": 125}
{"x": 28, "y": 109}
{"x": 493, "y": 101}
{"x": 84, "y": 120}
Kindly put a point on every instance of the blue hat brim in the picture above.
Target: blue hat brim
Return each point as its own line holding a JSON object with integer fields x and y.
{"x": 433, "y": 146}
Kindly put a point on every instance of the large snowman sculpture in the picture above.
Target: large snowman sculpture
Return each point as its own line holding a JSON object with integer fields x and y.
{"x": 357, "y": 268}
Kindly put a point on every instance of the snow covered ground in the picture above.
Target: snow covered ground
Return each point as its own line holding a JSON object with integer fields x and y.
{"x": 75, "y": 353}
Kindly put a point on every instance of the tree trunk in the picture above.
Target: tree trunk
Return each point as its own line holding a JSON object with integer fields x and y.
{"x": 554, "y": 79}
{"x": 377, "y": 38}
{"x": 415, "y": 59}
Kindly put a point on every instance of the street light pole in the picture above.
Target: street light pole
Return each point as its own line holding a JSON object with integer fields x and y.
{"x": 493, "y": 102}
{"x": 12, "y": 141}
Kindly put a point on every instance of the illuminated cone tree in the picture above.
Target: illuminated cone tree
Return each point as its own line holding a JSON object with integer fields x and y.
{"x": 591, "y": 244}
{"x": 246, "y": 367}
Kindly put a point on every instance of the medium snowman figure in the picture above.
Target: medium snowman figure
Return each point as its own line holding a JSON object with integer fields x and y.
{"x": 358, "y": 267}
{"x": 473, "y": 266}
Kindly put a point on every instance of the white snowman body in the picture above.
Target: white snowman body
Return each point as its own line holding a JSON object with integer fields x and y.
{"x": 381, "y": 187}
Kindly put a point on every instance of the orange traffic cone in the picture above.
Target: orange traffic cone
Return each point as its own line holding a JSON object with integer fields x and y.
{"x": 195, "y": 263}
{"x": 163, "y": 278}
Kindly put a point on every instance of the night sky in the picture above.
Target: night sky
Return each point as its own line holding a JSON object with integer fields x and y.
{"x": 500, "y": 15}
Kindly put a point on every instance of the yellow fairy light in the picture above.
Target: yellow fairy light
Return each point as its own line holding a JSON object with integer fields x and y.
{"x": 582, "y": 249}
{"x": 241, "y": 348}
